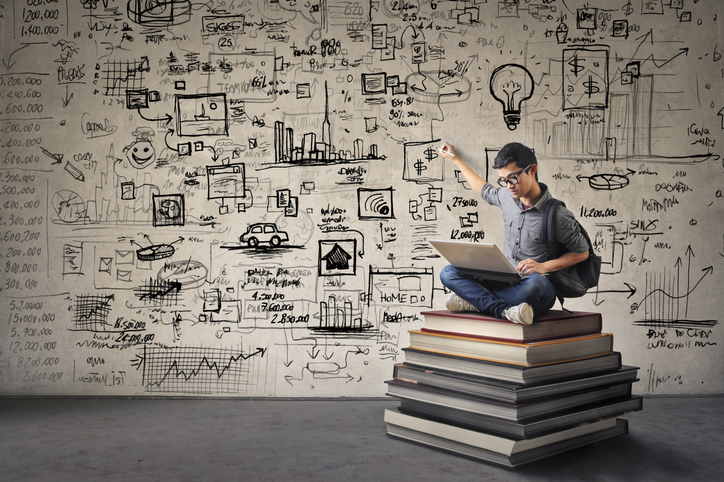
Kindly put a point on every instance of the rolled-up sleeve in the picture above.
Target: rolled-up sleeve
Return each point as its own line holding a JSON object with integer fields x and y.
{"x": 491, "y": 194}
{"x": 568, "y": 232}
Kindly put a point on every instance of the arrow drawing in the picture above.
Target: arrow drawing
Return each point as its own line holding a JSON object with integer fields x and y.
{"x": 66, "y": 99}
{"x": 9, "y": 64}
{"x": 57, "y": 158}
{"x": 662, "y": 302}
{"x": 167, "y": 117}
{"x": 630, "y": 289}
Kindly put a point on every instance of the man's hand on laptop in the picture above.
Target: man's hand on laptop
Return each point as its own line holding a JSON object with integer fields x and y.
{"x": 528, "y": 266}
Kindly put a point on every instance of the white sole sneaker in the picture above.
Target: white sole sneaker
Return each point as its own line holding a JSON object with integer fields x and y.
{"x": 455, "y": 303}
{"x": 523, "y": 313}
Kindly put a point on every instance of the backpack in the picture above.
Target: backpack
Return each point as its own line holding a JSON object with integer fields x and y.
{"x": 574, "y": 281}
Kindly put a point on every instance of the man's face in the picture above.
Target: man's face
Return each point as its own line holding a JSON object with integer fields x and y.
{"x": 525, "y": 179}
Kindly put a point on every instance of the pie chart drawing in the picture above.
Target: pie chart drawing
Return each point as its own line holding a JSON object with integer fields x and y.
{"x": 607, "y": 182}
{"x": 438, "y": 87}
{"x": 69, "y": 206}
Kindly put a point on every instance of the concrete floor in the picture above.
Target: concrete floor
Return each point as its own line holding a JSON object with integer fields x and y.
{"x": 677, "y": 439}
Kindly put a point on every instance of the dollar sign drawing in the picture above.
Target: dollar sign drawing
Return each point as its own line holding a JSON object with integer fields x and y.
{"x": 430, "y": 154}
{"x": 576, "y": 66}
{"x": 591, "y": 87}
{"x": 420, "y": 166}
{"x": 628, "y": 9}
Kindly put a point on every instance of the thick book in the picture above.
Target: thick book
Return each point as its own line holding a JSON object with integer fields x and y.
{"x": 523, "y": 412}
{"x": 615, "y": 407}
{"x": 514, "y": 373}
{"x": 525, "y": 354}
{"x": 491, "y": 442}
{"x": 509, "y": 461}
{"x": 507, "y": 391}
{"x": 554, "y": 324}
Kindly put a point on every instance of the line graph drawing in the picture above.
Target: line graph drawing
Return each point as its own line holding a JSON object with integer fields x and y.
{"x": 159, "y": 292}
{"x": 91, "y": 312}
{"x": 666, "y": 302}
{"x": 121, "y": 76}
{"x": 198, "y": 370}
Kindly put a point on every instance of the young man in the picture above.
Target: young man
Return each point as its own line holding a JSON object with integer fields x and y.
{"x": 522, "y": 199}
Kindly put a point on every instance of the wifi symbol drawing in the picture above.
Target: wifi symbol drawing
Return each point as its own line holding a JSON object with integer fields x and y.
{"x": 375, "y": 203}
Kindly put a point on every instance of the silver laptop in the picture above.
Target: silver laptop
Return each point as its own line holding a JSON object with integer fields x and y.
{"x": 481, "y": 261}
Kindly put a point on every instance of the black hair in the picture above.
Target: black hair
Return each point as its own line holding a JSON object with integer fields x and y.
{"x": 515, "y": 152}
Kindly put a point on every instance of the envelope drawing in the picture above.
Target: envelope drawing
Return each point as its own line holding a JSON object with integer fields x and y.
{"x": 122, "y": 275}
{"x": 140, "y": 264}
{"x": 105, "y": 265}
{"x": 124, "y": 256}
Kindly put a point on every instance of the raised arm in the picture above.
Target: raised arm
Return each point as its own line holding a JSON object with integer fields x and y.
{"x": 476, "y": 182}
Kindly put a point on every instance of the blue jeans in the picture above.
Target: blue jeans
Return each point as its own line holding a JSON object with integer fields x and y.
{"x": 535, "y": 290}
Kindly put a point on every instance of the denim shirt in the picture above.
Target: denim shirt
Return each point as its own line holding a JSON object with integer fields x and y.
{"x": 523, "y": 227}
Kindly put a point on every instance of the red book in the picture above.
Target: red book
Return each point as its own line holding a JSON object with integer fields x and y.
{"x": 553, "y": 325}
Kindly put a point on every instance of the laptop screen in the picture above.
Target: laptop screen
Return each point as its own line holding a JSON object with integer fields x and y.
{"x": 483, "y": 257}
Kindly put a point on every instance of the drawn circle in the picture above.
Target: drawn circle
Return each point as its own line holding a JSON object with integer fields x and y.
{"x": 227, "y": 43}
{"x": 435, "y": 87}
{"x": 141, "y": 154}
{"x": 608, "y": 182}
{"x": 68, "y": 205}
{"x": 170, "y": 208}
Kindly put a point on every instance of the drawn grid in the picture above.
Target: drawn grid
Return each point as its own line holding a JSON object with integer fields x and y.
{"x": 198, "y": 370}
{"x": 123, "y": 75}
{"x": 91, "y": 312}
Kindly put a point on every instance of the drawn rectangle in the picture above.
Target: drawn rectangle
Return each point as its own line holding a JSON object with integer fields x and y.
{"x": 226, "y": 182}
{"x": 401, "y": 286}
{"x": 585, "y": 78}
{"x": 373, "y": 84}
{"x": 168, "y": 210}
{"x": 222, "y": 25}
{"x": 375, "y": 204}
{"x": 201, "y": 115}
{"x": 379, "y": 36}
{"x": 422, "y": 162}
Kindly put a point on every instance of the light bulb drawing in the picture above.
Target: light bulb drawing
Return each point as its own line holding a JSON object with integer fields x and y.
{"x": 511, "y": 84}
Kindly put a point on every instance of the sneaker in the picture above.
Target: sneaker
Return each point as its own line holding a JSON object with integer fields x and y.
{"x": 455, "y": 303}
{"x": 523, "y": 313}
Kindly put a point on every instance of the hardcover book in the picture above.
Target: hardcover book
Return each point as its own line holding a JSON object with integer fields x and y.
{"x": 554, "y": 324}
{"x": 510, "y": 461}
{"x": 488, "y": 441}
{"x": 507, "y": 391}
{"x": 525, "y": 354}
{"x": 514, "y": 373}
{"x": 614, "y": 407}
{"x": 522, "y": 412}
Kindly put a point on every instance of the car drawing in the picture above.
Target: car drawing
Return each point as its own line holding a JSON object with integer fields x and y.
{"x": 263, "y": 233}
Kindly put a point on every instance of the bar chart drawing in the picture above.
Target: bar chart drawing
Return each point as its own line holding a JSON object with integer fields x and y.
{"x": 339, "y": 316}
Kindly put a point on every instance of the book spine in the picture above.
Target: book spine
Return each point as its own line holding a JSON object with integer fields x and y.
{"x": 516, "y": 341}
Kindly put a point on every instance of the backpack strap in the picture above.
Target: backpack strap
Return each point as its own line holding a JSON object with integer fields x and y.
{"x": 548, "y": 237}
{"x": 548, "y": 224}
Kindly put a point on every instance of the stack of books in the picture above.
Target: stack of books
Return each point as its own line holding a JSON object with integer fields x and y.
{"x": 507, "y": 393}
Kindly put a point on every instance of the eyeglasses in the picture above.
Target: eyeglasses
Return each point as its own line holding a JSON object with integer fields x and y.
{"x": 513, "y": 178}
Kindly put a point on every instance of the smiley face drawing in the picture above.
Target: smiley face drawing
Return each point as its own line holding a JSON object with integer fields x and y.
{"x": 141, "y": 153}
